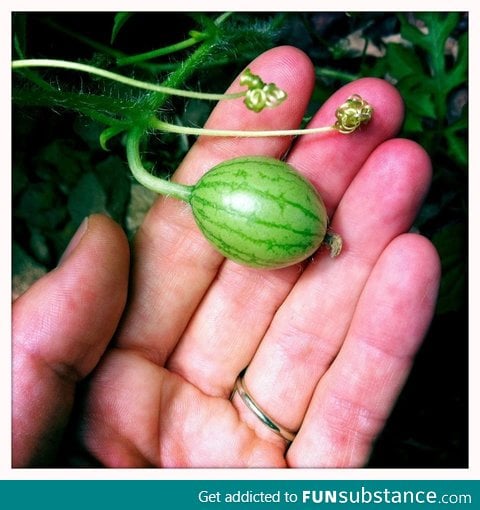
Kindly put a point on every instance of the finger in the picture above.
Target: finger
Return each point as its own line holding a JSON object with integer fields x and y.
{"x": 238, "y": 308}
{"x": 311, "y": 325}
{"x": 353, "y": 400}
{"x": 61, "y": 327}
{"x": 331, "y": 161}
{"x": 174, "y": 264}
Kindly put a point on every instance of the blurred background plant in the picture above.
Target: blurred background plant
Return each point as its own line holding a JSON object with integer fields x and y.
{"x": 61, "y": 173}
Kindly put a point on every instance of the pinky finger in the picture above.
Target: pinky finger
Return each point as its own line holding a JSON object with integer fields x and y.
{"x": 355, "y": 397}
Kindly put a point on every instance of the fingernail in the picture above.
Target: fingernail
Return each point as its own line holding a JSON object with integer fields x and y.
{"x": 77, "y": 237}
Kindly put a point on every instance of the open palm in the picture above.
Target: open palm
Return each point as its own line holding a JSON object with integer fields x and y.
{"x": 328, "y": 345}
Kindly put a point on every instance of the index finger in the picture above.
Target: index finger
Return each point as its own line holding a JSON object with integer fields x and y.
{"x": 173, "y": 264}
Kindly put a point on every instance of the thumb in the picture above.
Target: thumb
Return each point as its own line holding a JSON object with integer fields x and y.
{"x": 61, "y": 327}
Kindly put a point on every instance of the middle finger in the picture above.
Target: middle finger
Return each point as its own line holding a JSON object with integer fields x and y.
{"x": 173, "y": 264}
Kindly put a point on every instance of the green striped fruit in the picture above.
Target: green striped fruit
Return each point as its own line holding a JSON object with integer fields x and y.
{"x": 260, "y": 212}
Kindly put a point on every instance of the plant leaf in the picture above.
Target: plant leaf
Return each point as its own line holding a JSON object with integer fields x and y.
{"x": 116, "y": 183}
{"x": 120, "y": 19}
{"x": 20, "y": 34}
{"x": 404, "y": 60}
{"x": 108, "y": 134}
{"x": 457, "y": 147}
{"x": 458, "y": 74}
{"x": 87, "y": 197}
{"x": 438, "y": 27}
{"x": 451, "y": 245}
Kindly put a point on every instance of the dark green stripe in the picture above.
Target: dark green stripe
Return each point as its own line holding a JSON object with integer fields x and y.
{"x": 206, "y": 218}
{"x": 278, "y": 200}
{"x": 240, "y": 255}
{"x": 254, "y": 218}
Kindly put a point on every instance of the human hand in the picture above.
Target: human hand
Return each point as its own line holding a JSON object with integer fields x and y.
{"x": 328, "y": 348}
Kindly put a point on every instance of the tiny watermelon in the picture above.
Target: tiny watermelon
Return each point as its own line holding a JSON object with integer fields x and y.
{"x": 259, "y": 212}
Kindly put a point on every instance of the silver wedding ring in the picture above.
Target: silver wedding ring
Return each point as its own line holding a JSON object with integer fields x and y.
{"x": 242, "y": 391}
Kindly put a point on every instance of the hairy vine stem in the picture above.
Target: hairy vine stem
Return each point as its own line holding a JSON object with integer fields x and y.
{"x": 85, "y": 68}
{"x": 144, "y": 177}
{"x": 196, "y": 37}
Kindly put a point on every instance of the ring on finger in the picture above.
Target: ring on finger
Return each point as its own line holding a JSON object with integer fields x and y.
{"x": 249, "y": 401}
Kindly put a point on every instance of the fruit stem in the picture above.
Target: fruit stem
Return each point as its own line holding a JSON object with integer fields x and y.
{"x": 157, "y": 184}
{"x": 333, "y": 242}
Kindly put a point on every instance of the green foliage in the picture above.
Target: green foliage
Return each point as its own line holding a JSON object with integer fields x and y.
{"x": 57, "y": 189}
{"x": 451, "y": 244}
{"x": 428, "y": 74}
{"x": 424, "y": 54}
{"x": 120, "y": 19}
{"x": 57, "y": 181}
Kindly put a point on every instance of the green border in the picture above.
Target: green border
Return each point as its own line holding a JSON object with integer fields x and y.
{"x": 212, "y": 494}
